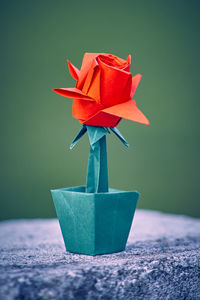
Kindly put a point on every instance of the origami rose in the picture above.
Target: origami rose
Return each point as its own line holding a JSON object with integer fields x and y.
{"x": 103, "y": 92}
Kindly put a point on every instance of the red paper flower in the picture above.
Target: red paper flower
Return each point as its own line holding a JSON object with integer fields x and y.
{"x": 103, "y": 92}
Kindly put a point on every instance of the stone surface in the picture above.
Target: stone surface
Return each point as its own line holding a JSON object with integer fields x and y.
{"x": 161, "y": 261}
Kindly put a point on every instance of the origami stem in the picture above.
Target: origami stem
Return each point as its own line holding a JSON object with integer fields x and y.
{"x": 97, "y": 174}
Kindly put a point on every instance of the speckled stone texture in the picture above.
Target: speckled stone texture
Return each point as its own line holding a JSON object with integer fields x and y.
{"x": 161, "y": 261}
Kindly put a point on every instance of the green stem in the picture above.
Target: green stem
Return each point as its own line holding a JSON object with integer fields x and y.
{"x": 97, "y": 174}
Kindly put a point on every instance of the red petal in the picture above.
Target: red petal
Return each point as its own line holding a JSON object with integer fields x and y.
{"x": 102, "y": 119}
{"x": 129, "y": 59}
{"x": 115, "y": 85}
{"x": 127, "y": 68}
{"x": 86, "y": 64}
{"x": 128, "y": 110}
{"x": 72, "y": 93}
{"x": 83, "y": 110}
{"x": 89, "y": 77}
{"x": 135, "y": 81}
{"x": 73, "y": 70}
{"x": 94, "y": 89}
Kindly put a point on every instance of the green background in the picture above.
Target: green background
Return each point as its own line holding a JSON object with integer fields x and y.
{"x": 36, "y": 124}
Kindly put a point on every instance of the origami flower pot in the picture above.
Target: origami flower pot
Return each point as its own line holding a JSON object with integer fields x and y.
{"x": 94, "y": 223}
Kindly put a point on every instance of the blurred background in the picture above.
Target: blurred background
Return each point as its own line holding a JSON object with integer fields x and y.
{"x": 37, "y": 127}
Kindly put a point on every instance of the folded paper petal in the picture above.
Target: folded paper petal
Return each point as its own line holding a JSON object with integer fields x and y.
{"x": 94, "y": 90}
{"x": 129, "y": 111}
{"x": 88, "y": 79}
{"x": 113, "y": 61}
{"x": 86, "y": 64}
{"x": 127, "y": 68}
{"x": 83, "y": 110}
{"x": 135, "y": 81}
{"x": 73, "y": 70}
{"x": 72, "y": 93}
{"x": 102, "y": 119}
{"x": 115, "y": 85}
{"x": 129, "y": 59}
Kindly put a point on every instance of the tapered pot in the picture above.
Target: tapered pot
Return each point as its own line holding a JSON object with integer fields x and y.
{"x": 94, "y": 223}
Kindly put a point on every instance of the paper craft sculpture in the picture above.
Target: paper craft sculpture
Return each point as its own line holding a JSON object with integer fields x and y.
{"x": 93, "y": 218}
{"x": 103, "y": 92}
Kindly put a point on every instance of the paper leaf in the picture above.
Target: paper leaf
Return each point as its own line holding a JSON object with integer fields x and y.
{"x": 79, "y": 135}
{"x": 119, "y": 135}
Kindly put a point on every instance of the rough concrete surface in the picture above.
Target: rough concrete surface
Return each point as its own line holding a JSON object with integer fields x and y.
{"x": 161, "y": 261}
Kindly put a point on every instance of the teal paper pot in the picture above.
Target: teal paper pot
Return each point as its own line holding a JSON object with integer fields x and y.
{"x": 94, "y": 223}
